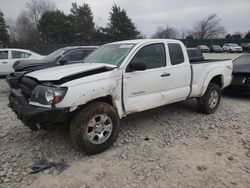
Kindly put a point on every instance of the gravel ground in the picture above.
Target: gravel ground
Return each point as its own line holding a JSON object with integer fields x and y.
{"x": 170, "y": 146}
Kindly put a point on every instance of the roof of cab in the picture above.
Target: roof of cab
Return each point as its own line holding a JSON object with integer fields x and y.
{"x": 142, "y": 41}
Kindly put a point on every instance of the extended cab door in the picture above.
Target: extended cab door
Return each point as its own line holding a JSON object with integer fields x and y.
{"x": 142, "y": 88}
{"x": 178, "y": 87}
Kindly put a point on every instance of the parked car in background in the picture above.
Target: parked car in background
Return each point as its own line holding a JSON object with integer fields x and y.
{"x": 10, "y": 55}
{"x": 216, "y": 49}
{"x": 230, "y": 47}
{"x": 241, "y": 74}
{"x": 114, "y": 81}
{"x": 62, "y": 56}
{"x": 204, "y": 48}
{"x": 245, "y": 47}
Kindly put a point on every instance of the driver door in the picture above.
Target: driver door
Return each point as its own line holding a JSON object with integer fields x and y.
{"x": 142, "y": 88}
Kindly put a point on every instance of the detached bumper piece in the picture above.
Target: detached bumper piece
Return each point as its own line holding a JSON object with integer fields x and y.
{"x": 32, "y": 116}
{"x": 12, "y": 80}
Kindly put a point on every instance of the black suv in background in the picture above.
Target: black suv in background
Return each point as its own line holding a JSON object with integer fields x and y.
{"x": 62, "y": 56}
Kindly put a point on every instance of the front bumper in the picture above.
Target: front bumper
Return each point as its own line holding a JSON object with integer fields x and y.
{"x": 34, "y": 117}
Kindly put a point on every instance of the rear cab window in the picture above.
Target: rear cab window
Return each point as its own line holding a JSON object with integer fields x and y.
{"x": 176, "y": 53}
{"x": 4, "y": 54}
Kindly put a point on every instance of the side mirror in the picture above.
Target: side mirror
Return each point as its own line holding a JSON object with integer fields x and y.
{"x": 137, "y": 66}
{"x": 63, "y": 61}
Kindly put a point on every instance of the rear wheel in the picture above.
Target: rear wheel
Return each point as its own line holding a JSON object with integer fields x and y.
{"x": 95, "y": 128}
{"x": 210, "y": 101}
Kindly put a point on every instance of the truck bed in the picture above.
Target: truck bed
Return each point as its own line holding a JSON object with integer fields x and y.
{"x": 202, "y": 70}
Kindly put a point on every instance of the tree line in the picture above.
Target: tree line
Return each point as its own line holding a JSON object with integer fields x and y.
{"x": 42, "y": 23}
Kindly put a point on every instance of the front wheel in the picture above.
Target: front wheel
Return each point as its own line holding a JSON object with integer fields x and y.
{"x": 210, "y": 101}
{"x": 95, "y": 128}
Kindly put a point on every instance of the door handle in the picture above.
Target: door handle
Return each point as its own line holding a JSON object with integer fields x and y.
{"x": 165, "y": 74}
{"x": 4, "y": 62}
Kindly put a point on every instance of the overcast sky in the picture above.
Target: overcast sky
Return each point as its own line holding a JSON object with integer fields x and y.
{"x": 149, "y": 14}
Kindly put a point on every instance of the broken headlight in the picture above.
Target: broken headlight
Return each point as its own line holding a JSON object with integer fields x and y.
{"x": 48, "y": 95}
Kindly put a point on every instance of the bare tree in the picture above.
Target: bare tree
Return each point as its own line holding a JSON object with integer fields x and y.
{"x": 35, "y": 8}
{"x": 166, "y": 33}
{"x": 11, "y": 25}
{"x": 184, "y": 32}
{"x": 28, "y": 19}
{"x": 209, "y": 27}
{"x": 26, "y": 30}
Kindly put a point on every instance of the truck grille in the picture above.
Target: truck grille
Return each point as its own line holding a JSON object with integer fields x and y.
{"x": 27, "y": 85}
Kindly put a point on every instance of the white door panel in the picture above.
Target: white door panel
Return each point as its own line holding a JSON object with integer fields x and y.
{"x": 142, "y": 89}
{"x": 179, "y": 86}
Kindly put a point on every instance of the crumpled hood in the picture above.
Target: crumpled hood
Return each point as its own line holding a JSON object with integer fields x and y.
{"x": 58, "y": 73}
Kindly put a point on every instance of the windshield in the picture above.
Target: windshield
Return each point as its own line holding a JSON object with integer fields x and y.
{"x": 243, "y": 60}
{"x": 112, "y": 54}
{"x": 54, "y": 56}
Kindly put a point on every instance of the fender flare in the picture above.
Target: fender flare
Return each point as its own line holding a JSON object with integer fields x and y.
{"x": 209, "y": 77}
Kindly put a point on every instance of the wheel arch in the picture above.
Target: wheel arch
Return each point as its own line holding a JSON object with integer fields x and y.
{"x": 109, "y": 99}
{"x": 215, "y": 79}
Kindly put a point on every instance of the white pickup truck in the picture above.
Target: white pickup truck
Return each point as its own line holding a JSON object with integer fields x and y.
{"x": 116, "y": 80}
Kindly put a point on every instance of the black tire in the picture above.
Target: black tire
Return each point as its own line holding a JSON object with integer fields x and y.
{"x": 79, "y": 127}
{"x": 203, "y": 102}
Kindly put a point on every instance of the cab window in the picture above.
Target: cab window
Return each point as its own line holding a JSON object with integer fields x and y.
{"x": 176, "y": 53}
{"x": 153, "y": 56}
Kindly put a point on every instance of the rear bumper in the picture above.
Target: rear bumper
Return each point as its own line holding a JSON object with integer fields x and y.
{"x": 33, "y": 116}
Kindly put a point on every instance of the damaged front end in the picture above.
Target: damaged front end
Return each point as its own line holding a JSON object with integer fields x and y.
{"x": 34, "y": 101}
{"x": 14, "y": 78}
{"x": 35, "y": 117}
